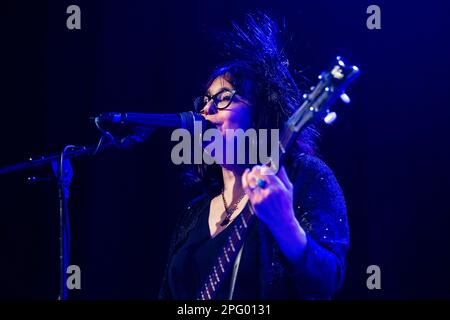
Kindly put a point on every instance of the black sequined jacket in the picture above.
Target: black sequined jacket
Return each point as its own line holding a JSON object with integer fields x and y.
{"x": 320, "y": 208}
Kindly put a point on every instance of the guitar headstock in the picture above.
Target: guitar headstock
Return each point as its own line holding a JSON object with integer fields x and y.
{"x": 317, "y": 104}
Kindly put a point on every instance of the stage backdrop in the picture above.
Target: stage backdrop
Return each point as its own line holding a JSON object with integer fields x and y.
{"x": 389, "y": 148}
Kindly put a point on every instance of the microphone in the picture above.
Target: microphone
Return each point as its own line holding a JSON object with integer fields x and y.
{"x": 183, "y": 120}
{"x": 143, "y": 124}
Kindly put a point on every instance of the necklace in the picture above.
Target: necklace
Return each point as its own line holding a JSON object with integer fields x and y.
{"x": 229, "y": 210}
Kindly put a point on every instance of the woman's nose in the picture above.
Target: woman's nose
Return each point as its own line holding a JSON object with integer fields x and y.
{"x": 210, "y": 108}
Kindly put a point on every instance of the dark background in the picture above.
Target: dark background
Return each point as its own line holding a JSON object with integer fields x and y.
{"x": 389, "y": 149}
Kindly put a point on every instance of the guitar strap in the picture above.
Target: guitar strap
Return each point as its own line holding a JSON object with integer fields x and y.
{"x": 234, "y": 274}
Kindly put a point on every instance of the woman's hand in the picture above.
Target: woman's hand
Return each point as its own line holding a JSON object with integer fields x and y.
{"x": 273, "y": 204}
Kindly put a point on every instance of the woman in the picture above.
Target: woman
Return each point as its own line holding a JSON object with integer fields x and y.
{"x": 296, "y": 247}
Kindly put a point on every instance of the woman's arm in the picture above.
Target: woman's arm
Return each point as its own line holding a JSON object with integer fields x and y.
{"x": 308, "y": 222}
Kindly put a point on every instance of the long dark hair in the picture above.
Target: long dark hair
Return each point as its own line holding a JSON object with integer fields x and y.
{"x": 258, "y": 69}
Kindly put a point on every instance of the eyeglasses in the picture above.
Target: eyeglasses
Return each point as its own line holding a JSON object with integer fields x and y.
{"x": 221, "y": 99}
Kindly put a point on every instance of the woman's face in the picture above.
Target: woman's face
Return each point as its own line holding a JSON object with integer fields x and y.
{"x": 238, "y": 115}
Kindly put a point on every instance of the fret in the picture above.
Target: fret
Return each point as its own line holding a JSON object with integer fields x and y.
{"x": 221, "y": 265}
{"x": 236, "y": 230}
{"x": 212, "y": 283}
{"x": 215, "y": 274}
{"x": 243, "y": 222}
{"x": 231, "y": 244}
{"x": 226, "y": 254}
{"x": 282, "y": 148}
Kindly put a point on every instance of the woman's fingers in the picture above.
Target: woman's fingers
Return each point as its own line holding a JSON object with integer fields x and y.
{"x": 249, "y": 184}
{"x": 266, "y": 174}
{"x": 284, "y": 178}
{"x": 273, "y": 183}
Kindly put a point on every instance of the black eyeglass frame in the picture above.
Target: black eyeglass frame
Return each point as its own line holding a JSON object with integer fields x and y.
{"x": 201, "y": 100}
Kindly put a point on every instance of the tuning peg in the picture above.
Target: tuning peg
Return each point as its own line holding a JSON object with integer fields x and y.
{"x": 340, "y": 61}
{"x": 345, "y": 98}
{"x": 321, "y": 76}
{"x": 330, "y": 118}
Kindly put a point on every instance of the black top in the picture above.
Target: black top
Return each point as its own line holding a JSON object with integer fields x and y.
{"x": 192, "y": 263}
{"x": 320, "y": 209}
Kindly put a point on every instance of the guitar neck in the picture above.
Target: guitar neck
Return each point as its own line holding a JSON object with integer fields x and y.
{"x": 237, "y": 238}
{"x": 228, "y": 255}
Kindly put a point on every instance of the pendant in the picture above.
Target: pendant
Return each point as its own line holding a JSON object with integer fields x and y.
{"x": 225, "y": 222}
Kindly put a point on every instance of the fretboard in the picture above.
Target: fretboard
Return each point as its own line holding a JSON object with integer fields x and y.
{"x": 228, "y": 255}
{"x": 235, "y": 241}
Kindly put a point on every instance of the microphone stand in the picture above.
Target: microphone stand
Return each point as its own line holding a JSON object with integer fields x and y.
{"x": 64, "y": 174}
{"x": 63, "y": 171}
{"x": 54, "y": 157}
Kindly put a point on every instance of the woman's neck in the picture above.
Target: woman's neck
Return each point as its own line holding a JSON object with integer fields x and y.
{"x": 232, "y": 183}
